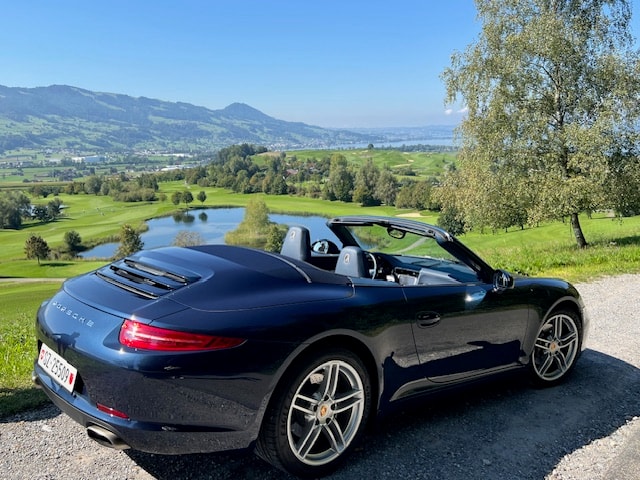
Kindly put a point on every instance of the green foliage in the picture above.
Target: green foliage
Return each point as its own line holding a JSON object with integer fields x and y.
{"x": 18, "y": 305}
{"x": 551, "y": 90}
{"x": 386, "y": 187}
{"x": 450, "y": 220}
{"x": 242, "y": 151}
{"x": 365, "y": 184}
{"x": 14, "y": 205}
{"x": 340, "y": 183}
{"x": 188, "y": 238}
{"x": 93, "y": 184}
{"x": 202, "y": 196}
{"x": 36, "y": 247}
{"x": 187, "y": 197}
{"x": 49, "y": 212}
{"x": 416, "y": 195}
{"x": 275, "y": 237}
{"x": 149, "y": 181}
{"x": 40, "y": 213}
{"x": 176, "y": 198}
{"x": 72, "y": 240}
{"x": 130, "y": 241}
{"x": 256, "y": 230}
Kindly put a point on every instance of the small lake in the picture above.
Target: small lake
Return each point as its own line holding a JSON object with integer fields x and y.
{"x": 211, "y": 224}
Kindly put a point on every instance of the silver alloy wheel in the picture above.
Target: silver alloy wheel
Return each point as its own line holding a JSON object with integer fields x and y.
{"x": 325, "y": 413}
{"x": 556, "y": 347}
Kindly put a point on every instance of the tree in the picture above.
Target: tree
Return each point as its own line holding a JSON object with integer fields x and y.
{"x": 255, "y": 229}
{"x": 130, "y": 241}
{"x": 450, "y": 221}
{"x": 386, "y": 187}
{"x": 187, "y": 197}
{"x": 551, "y": 89}
{"x": 188, "y": 238}
{"x": 36, "y": 247}
{"x": 365, "y": 184}
{"x": 39, "y": 212}
{"x": 176, "y": 198}
{"x": 93, "y": 184}
{"x": 13, "y": 207}
{"x": 415, "y": 195}
{"x": 73, "y": 240}
{"x": 275, "y": 237}
{"x": 340, "y": 183}
{"x": 54, "y": 208}
{"x": 202, "y": 196}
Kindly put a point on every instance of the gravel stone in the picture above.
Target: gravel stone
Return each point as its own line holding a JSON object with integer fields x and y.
{"x": 588, "y": 428}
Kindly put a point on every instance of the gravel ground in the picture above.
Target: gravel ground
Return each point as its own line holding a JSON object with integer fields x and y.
{"x": 587, "y": 429}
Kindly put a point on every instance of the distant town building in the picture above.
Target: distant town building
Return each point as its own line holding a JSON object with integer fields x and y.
{"x": 89, "y": 159}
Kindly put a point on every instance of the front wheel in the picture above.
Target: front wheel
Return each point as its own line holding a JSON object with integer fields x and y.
{"x": 556, "y": 348}
{"x": 318, "y": 416}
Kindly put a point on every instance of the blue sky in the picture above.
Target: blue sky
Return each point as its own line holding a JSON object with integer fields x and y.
{"x": 333, "y": 63}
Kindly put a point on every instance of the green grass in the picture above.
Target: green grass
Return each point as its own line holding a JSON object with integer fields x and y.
{"x": 18, "y": 305}
{"x": 424, "y": 164}
{"x": 550, "y": 249}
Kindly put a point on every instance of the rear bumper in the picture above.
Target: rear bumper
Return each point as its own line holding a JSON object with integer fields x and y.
{"x": 159, "y": 438}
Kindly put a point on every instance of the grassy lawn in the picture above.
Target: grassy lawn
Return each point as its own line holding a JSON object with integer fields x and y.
{"x": 18, "y": 305}
{"x": 424, "y": 164}
{"x": 545, "y": 250}
{"x": 550, "y": 249}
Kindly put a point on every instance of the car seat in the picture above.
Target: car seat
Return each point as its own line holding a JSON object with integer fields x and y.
{"x": 351, "y": 262}
{"x": 297, "y": 244}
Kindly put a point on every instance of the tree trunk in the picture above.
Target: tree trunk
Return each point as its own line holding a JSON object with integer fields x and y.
{"x": 577, "y": 230}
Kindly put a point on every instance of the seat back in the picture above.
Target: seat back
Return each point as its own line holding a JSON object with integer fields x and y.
{"x": 297, "y": 244}
{"x": 351, "y": 262}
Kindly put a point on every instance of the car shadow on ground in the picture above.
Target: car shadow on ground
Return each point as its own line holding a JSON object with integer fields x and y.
{"x": 503, "y": 429}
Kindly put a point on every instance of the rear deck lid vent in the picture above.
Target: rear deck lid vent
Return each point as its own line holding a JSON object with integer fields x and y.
{"x": 147, "y": 277}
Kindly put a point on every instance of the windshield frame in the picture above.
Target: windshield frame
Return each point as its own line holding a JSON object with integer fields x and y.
{"x": 342, "y": 228}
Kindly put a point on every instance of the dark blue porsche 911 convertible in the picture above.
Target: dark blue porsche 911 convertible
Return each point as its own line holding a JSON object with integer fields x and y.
{"x": 215, "y": 347}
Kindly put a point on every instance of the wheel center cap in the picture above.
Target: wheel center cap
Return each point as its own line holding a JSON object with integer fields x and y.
{"x": 553, "y": 347}
{"x": 324, "y": 411}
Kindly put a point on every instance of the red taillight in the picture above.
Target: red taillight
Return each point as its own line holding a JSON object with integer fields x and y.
{"x": 139, "y": 335}
{"x": 112, "y": 411}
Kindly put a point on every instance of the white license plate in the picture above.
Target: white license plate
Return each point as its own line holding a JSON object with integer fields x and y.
{"x": 57, "y": 368}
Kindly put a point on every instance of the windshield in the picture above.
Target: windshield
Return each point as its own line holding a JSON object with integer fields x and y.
{"x": 395, "y": 242}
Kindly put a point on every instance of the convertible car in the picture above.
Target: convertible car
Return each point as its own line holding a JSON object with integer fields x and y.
{"x": 216, "y": 347}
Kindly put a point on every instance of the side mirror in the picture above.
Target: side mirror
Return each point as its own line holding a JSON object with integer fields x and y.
{"x": 502, "y": 280}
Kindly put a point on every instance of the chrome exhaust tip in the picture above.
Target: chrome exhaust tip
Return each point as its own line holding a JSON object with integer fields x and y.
{"x": 106, "y": 438}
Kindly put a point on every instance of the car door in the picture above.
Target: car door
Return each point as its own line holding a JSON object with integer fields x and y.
{"x": 463, "y": 330}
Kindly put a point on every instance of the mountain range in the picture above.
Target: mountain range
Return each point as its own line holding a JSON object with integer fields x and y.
{"x": 66, "y": 117}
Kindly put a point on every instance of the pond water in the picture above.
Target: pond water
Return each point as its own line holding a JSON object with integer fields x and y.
{"x": 211, "y": 224}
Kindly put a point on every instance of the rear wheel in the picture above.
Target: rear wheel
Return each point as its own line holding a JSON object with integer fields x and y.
{"x": 557, "y": 348}
{"x": 318, "y": 416}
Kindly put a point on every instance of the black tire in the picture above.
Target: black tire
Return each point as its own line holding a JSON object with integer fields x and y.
{"x": 318, "y": 416}
{"x": 556, "y": 349}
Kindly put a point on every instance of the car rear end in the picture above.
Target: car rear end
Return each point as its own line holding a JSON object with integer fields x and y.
{"x": 124, "y": 352}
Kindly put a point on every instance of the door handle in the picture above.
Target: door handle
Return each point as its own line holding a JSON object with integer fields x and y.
{"x": 427, "y": 319}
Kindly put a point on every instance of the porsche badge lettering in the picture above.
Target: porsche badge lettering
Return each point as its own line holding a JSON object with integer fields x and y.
{"x": 75, "y": 315}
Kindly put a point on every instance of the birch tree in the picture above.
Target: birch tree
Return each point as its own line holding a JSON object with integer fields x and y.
{"x": 551, "y": 88}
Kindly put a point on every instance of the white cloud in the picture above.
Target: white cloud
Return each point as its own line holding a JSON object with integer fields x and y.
{"x": 448, "y": 111}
